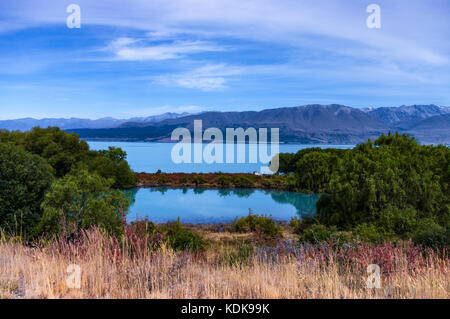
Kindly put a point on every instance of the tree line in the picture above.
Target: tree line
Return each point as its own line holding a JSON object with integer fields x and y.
{"x": 388, "y": 189}
{"x": 52, "y": 183}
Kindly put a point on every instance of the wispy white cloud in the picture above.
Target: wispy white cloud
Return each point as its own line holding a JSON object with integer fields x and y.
{"x": 411, "y": 29}
{"x": 128, "y": 49}
{"x": 210, "y": 77}
{"x": 255, "y": 51}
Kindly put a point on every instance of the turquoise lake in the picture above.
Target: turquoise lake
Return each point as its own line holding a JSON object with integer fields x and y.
{"x": 149, "y": 157}
{"x": 197, "y": 205}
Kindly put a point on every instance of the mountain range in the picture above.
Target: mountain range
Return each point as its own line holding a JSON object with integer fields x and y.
{"x": 309, "y": 124}
{"x": 26, "y": 124}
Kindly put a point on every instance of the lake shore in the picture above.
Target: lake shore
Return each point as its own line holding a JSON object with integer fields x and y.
{"x": 211, "y": 180}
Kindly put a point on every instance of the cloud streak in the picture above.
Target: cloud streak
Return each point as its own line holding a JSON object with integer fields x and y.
{"x": 210, "y": 77}
{"x": 139, "y": 54}
{"x": 127, "y": 49}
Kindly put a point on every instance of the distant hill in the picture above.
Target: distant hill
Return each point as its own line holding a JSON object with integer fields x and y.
{"x": 335, "y": 124}
{"x": 26, "y": 124}
{"x": 435, "y": 129}
{"x": 406, "y": 116}
{"x": 309, "y": 124}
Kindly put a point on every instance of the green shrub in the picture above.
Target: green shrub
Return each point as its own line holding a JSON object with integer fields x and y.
{"x": 298, "y": 226}
{"x": 112, "y": 163}
{"x": 371, "y": 233}
{"x": 24, "y": 179}
{"x": 317, "y": 233}
{"x": 295, "y": 224}
{"x": 431, "y": 235}
{"x": 162, "y": 180}
{"x": 382, "y": 190}
{"x": 401, "y": 222}
{"x": 65, "y": 151}
{"x": 180, "y": 237}
{"x": 242, "y": 181}
{"x": 198, "y": 179}
{"x": 81, "y": 200}
{"x": 261, "y": 224}
{"x": 225, "y": 180}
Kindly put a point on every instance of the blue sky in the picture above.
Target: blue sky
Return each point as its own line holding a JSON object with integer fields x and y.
{"x": 139, "y": 58}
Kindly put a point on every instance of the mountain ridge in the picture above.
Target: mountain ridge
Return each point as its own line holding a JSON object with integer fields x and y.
{"x": 309, "y": 124}
{"x": 27, "y": 123}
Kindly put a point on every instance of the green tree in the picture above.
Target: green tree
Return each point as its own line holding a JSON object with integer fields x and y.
{"x": 392, "y": 184}
{"x": 80, "y": 200}
{"x": 111, "y": 163}
{"x": 65, "y": 151}
{"x": 24, "y": 178}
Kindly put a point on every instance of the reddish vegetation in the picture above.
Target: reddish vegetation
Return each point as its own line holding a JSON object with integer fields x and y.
{"x": 130, "y": 268}
{"x": 211, "y": 180}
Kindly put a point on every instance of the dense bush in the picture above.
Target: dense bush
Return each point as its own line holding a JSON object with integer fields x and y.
{"x": 179, "y": 237}
{"x": 64, "y": 151}
{"x": 264, "y": 226}
{"x": 24, "y": 179}
{"x": 429, "y": 234}
{"x": 380, "y": 191}
{"x": 310, "y": 168}
{"x": 112, "y": 163}
{"x": 392, "y": 183}
{"x": 80, "y": 200}
{"x": 318, "y": 233}
{"x": 84, "y": 183}
{"x": 60, "y": 149}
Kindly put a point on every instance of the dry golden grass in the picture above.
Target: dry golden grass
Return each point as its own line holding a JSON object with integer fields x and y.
{"x": 111, "y": 271}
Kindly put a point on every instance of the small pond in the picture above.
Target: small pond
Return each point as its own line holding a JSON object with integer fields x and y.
{"x": 200, "y": 205}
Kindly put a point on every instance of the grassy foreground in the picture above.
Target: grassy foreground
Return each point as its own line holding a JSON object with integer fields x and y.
{"x": 232, "y": 266}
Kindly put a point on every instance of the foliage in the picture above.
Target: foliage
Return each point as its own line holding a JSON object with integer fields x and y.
{"x": 65, "y": 151}
{"x": 162, "y": 179}
{"x": 112, "y": 163}
{"x": 286, "y": 162}
{"x": 380, "y": 191}
{"x": 392, "y": 183}
{"x": 318, "y": 233}
{"x": 24, "y": 178}
{"x": 225, "y": 180}
{"x": 263, "y": 225}
{"x": 431, "y": 235}
{"x": 242, "y": 181}
{"x": 80, "y": 200}
{"x": 179, "y": 237}
{"x": 198, "y": 179}
{"x": 371, "y": 233}
{"x": 311, "y": 168}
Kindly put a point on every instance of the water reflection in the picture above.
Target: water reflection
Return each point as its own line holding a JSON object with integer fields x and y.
{"x": 202, "y": 205}
{"x": 304, "y": 203}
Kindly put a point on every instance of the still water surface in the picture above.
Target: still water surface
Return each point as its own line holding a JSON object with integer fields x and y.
{"x": 150, "y": 157}
{"x": 197, "y": 205}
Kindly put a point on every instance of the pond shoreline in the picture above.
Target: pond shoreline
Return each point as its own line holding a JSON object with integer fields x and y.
{"x": 211, "y": 180}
